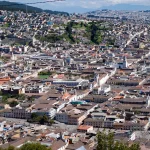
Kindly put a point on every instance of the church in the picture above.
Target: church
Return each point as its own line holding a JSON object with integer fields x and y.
{"x": 119, "y": 64}
{"x": 124, "y": 64}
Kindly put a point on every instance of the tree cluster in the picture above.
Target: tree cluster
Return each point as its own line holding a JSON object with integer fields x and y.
{"x": 43, "y": 73}
{"x": 95, "y": 34}
{"x": 69, "y": 31}
{"x": 13, "y": 103}
{"x": 52, "y": 38}
{"x": 93, "y": 31}
{"x": 40, "y": 119}
{"x": 107, "y": 142}
{"x": 28, "y": 146}
{"x": 5, "y": 97}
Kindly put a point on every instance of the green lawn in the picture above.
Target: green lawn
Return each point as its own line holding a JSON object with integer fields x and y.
{"x": 43, "y": 76}
{"x": 78, "y": 26}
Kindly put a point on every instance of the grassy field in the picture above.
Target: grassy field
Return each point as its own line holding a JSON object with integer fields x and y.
{"x": 43, "y": 76}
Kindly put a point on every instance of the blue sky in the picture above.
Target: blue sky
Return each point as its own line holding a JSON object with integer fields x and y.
{"x": 87, "y": 5}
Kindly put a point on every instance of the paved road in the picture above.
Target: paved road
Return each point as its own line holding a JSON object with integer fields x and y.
{"x": 17, "y": 121}
{"x": 35, "y": 73}
{"x": 130, "y": 40}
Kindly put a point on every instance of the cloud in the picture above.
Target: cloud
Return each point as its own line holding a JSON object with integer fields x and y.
{"x": 85, "y": 4}
{"x": 90, "y": 3}
{"x": 101, "y": 3}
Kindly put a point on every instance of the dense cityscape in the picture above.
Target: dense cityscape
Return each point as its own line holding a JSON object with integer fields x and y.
{"x": 67, "y": 81}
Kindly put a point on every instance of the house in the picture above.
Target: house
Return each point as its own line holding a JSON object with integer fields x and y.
{"x": 4, "y": 79}
{"x": 17, "y": 143}
{"x": 129, "y": 82}
{"x": 44, "y": 109}
{"x": 14, "y": 90}
{"x": 75, "y": 115}
{"x": 59, "y": 145}
{"x": 62, "y": 117}
{"x": 128, "y": 125}
{"x": 84, "y": 128}
{"x": 76, "y": 119}
{"x": 96, "y": 98}
{"x": 138, "y": 101}
{"x": 108, "y": 124}
{"x": 97, "y": 123}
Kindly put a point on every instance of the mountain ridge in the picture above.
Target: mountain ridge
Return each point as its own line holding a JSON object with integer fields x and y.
{"x": 14, "y": 6}
{"x": 128, "y": 7}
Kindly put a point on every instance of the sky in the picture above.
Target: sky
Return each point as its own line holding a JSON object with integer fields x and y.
{"x": 88, "y": 5}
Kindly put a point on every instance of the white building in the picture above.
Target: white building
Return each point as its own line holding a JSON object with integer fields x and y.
{"x": 62, "y": 117}
{"x": 72, "y": 83}
{"x": 48, "y": 112}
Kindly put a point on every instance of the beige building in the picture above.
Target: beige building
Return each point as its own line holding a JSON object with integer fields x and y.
{"x": 97, "y": 123}
{"x": 17, "y": 113}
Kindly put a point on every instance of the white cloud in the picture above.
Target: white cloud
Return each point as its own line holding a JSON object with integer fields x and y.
{"x": 88, "y": 4}
{"x": 100, "y": 3}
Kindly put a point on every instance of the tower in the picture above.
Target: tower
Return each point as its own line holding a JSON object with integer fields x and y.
{"x": 144, "y": 66}
{"x": 11, "y": 49}
{"x": 125, "y": 63}
{"x": 13, "y": 57}
{"x": 96, "y": 78}
{"x": 148, "y": 101}
{"x": 33, "y": 40}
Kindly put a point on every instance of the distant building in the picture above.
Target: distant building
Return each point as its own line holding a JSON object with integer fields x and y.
{"x": 17, "y": 113}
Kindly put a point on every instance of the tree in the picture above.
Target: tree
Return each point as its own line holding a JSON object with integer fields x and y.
{"x": 11, "y": 148}
{"x": 107, "y": 142}
{"x": 81, "y": 24}
{"x": 31, "y": 98}
{"x": 28, "y": 146}
{"x": 100, "y": 143}
{"x": 96, "y": 36}
{"x": 69, "y": 31}
{"x": 34, "y": 146}
{"x": 51, "y": 121}
{"x": 110, "y": 138}
{"x": 21, "y": 96}
{"x": 5, "y": 99}
{"x": 13, "y": 103}
{"x": 34, "y": 115}
{"x": 135, "y": 146}
{"x": 45, "y": 73}
{"x": 44, "y": 119}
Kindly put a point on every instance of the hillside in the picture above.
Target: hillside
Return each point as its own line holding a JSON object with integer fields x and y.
{"x": 56, "y": 12}
{"x": 79, "y": 32}
{"x": 13, "y": 6}
{"x": 127, "y": 7}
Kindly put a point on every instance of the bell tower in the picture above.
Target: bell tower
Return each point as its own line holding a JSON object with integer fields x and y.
{"x": 125, "y": 63}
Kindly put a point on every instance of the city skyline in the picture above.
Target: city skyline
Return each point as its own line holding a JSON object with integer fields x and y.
{"x": 74, "y": 81}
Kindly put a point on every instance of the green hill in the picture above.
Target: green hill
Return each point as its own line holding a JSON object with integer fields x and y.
{"x": 13, "y": 6}
{"x": 56, "y": 12}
